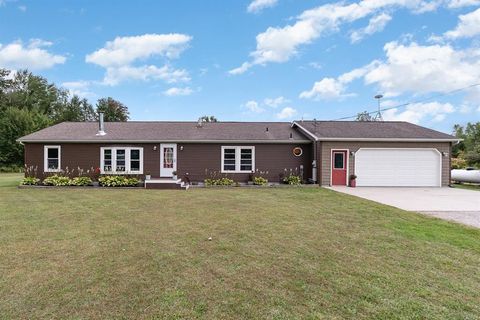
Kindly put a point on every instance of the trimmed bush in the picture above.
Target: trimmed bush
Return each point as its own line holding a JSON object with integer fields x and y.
{"x": 260, "y": 181}
{"x": 57, "y": 181}
{"x": 30, "y": 181}
{"x": 81, "y": 181}
{"x": 219, "y": 182}
{"x": 118, "y": 181}
{"x": 293, "y": 180}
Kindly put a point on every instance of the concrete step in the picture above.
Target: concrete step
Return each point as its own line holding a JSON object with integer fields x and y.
{"x": 165, "y": 183}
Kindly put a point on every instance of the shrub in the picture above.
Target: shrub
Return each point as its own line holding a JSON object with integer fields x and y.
{"x": 30, "y": 181}
{"x": 118, "y": 181}
{"x": 57, "y": 181}
{"x": 260, "y": 181}
{"x": 219, "y": 182}
{"x": 81, "y": 181}
{"x": 292, "y": 180}
{"x": 459, "y": 163}
{"x": 11, "y": 168}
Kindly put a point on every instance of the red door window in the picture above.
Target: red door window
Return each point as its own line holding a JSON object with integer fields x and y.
{"x": 339, "y": 168}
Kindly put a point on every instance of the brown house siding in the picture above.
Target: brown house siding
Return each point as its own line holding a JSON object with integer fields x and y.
{"x": 87, "y": 156}
{"x": 326, "y": 147}
{"x": 193, "y": 160}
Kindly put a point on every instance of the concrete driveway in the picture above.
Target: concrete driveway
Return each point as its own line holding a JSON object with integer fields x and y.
{"x": 458, "y": 205}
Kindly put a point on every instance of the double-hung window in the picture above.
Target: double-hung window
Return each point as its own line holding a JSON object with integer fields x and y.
{"x": 51, "y": 159}
{"x": 237, "y": 159}
{"x": 121, "y": 160}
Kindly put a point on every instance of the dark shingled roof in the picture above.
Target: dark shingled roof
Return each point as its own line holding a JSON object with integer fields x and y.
{"x": 142, "y": 131}
{"x": 351, "y": 130}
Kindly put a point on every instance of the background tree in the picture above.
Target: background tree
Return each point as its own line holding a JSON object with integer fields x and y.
{"x": 208, "y": 119}
{"x": 29, "y": 103}
{"x": 15, "y": 123}
{"x": 113, "y": 110}
{"x": 364, "y": 116}
{"x": 469, "y": 148}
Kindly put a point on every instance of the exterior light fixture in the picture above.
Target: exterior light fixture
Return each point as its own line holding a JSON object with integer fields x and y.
{"x": 154, "y": 148}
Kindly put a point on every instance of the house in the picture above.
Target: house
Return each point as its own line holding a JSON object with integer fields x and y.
{"x": 324, "y": 152}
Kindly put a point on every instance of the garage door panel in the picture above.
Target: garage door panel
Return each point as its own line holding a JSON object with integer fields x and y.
{"x": 397, "y": 167}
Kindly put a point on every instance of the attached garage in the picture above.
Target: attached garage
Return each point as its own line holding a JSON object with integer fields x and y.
{"x": 398, "y": 167}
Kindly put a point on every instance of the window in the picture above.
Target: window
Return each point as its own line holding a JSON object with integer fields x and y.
{"x": 238, "y": 159}
{"x": 338, "y": 160}
{"x": 122, "y": 160}
{"x": 168, "y": 157}
{"x": 52, "y": 159}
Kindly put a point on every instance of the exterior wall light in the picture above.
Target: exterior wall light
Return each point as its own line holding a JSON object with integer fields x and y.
{"x": 445, "y": 154}
{"x": 154, "y": 148}
{"x": 181, "y": 148}
{"x": 352, "y": 153}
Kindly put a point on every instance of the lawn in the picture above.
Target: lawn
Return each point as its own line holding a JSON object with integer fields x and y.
{"x": 469, "y": 186}
{"x": 285, "y": 253}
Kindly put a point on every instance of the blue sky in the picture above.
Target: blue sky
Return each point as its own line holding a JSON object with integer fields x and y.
{"x": 255, "y": 60}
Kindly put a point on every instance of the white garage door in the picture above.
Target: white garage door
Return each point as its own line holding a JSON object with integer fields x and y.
{"x": 398, "y": 167}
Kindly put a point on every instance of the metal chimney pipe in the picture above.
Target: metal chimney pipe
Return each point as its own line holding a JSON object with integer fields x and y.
{"x": 101, "y": 125}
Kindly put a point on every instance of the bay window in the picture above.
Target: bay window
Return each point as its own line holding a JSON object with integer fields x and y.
{"x": 121, "y": 160}
{"x": 238, "y": 159}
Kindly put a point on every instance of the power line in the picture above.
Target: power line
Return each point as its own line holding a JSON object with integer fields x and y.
{"x": 413, "y": 102}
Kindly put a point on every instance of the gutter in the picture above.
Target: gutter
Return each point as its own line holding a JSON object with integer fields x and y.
{"x": 167, "y": 141}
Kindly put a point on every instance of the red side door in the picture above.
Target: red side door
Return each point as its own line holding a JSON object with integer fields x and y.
{"x": 339, "y": 168}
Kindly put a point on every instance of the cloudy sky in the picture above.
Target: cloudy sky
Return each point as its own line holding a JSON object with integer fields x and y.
{"x": 256, "y": 60}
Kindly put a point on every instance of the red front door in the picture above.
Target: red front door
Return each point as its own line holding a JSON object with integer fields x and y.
{"x": 339, "y": 168}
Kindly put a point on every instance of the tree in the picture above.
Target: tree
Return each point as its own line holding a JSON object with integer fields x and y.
{"x": 78, "y": 110}
{"x": 208, "y": 119}
{"x": 15, "y": 123}
{"x": 364, "y": 116}
{"x": 469, "y": 148}
{"x": 112, "y": 109}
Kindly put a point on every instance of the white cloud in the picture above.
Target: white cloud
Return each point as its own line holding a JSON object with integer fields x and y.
{"x": 463, "y": 3}
{"x": 279, "y": 44}
{"x": 253, "y": 106}
{"x": 286, "y": 113}
{"x": 119, "y": 56}
{"x": 275, "y": 102}
{"x": 417, "y": 112}
{"x": 331, "y": 88}
{"x": 33, "y": 56}
{"x": 327, "y": 88}
{"x": 79, "y": 88}
{"x": 376, "y": 24}
{"x": 172, "y": 92}
{"x": 115, "y": 75}
{"x": 125, "y": 50}
{"x": 257, "y": 6}
{"x": 243, "y": 68}
{"x": 22, "y": 8}
{"x": 422, "y": 69}
{"x": 468, "y": 26}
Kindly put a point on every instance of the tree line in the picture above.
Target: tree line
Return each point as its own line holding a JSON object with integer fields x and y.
{"x": 29, "y": 103}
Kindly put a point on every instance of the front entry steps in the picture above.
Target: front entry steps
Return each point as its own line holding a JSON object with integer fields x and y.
{"x": 166, "y": 183}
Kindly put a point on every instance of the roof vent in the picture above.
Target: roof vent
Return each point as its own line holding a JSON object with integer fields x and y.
{"x": 199, "y": 123}
{"x": 266, "y": 129}
{"x": 291, "y": 135}
{"x": 101, "y": 125}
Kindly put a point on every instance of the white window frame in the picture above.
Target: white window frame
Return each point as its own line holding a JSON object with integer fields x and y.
{"x": 238, "y": 159}
{"x": 114, "y": 160}
{"x": 45, "y": 159}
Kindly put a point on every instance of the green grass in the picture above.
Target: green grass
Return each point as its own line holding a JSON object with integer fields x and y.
{"x": 468, "y": 186}
{"x": 286, "y": 253}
